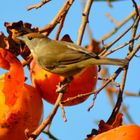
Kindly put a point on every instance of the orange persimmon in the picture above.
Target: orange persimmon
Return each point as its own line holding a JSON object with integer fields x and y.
{"x": 46, "y": 83}
{"x": 20, "y": 104}
{"x": 125, "y": 132}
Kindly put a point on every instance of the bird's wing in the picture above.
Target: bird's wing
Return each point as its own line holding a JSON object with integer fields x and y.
{"x": 72, "y": 53}
{"x": 80, "y": 49}
{"x": 70, "y": 57}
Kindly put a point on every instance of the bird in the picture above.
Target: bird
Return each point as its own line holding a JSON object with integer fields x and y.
{"x": 62, "y": 57}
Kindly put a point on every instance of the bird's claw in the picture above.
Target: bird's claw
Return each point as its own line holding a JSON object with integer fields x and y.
{"x": 61, "y": 87}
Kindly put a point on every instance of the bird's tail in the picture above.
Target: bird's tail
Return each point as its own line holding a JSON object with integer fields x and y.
{"x": 102, "y": 61}
{"x": 111, "y": 61}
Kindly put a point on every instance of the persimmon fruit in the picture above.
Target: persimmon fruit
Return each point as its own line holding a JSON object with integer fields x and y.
{"x": 25, "y": 113}
{"x": 20, "y": 104}
{"x": 46, "y": 83}
{"x": 125, "y": 132}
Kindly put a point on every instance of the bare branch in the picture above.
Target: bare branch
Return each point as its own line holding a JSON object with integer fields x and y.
{"x": 118, "y": 38}
{"x": 62, "y": 12}
{"x": 47, "y": 121}
{"x": 107, "y": 47}
{"x": 112, "y": 19}
{"x": 136, "y": 8}
{"x": 130, "y": 55}
{"x": 122, "y": 46}
{"x": 119, "y": 26}
{"x": 60, "y": 28}
{"x": 36, "y": 6}
{"x": 84, "y": 22}
{"x": 119, "y": 100}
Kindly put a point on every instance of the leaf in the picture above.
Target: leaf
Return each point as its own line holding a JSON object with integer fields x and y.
{"x": 94, "y": 46}
{"x": 67, "y": 38}
{"x": 103, "y": 126}
{"x": 14, "y": 30}
{"x": 3, "y": 41}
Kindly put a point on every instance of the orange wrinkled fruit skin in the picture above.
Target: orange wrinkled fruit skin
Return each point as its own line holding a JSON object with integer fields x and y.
{"x": 46, "y": 83}
{"x": 125, "y": 132}
{"x": 20, "y": 104}
{"x": 14, "y": 78}
{"x": 25, "y": 113}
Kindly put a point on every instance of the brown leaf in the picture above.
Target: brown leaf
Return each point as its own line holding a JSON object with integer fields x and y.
{"x": 67, "y": 38}
{"x": 18, "y": 28}
{"x": 105, "y": 127}
{"x": 3, "y": 41}
{"x": 14, "y": 30}
{"x": 94, "y": 46}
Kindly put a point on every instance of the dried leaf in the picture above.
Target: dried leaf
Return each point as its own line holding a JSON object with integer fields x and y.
{"x": 3, "y": 41}
{"x": 105, "y": 127}
{"x": 94, "y": 46}
{"x": 67, "y": 38}
{"x": 15, "y": 29}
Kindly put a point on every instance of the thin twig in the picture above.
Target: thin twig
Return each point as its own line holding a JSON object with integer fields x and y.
{"x": 61, "y": 88}
{"x": 61, "y": 13}
{"x": 119, "y": 100}
{"x": 136, "y": 8}
{"x": 106, "y": 48}
{"x": 112, "y": 77}
{"x": 88, "y": 29}
{"x": 119, "y": 26}
{"x": 122, "y": 85}
{"x": 36, "y": 6}
{"x": 134, "y": 29}
{"x": 115, "y": 74}
{"x": 47, "y": 121}
{"x": 112, "y": 19}
{"x": 26, "y": 62}
{"x": 60, "y": 28}
{"x": 132, "y": 54}
{"x": 63, "y": 112}
{"x": 130, "y": 94}
{"x": 128, "y": 116}
{"x": 84, "y": 22}
{"x": 48, "y": 133}
{"x": 122, "y": 46}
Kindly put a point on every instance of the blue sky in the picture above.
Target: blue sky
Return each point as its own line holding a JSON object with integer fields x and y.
{"x": 80, "y": 122}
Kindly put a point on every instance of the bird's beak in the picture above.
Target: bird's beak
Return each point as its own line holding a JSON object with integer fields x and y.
{"x": 20, "y": 38}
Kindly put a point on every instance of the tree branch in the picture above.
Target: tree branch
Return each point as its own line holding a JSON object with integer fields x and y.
{"x": 62, "y": 12}
{"x": 119, "y": 26}
{"x": 36, "y": 6}
{"x": 36, "y": 133}
{"x": 84, "y": 22}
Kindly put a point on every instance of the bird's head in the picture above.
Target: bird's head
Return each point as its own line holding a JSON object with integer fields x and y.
{"x": 32, "y": 39}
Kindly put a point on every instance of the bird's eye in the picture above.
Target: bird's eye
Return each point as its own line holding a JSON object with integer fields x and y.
{"x": 30, "y": 38}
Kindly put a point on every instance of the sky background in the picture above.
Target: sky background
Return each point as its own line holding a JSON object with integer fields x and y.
{"x": 80, "y": 121}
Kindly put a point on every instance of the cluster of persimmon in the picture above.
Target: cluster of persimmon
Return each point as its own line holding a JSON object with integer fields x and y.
{"x": 21, "y": 104}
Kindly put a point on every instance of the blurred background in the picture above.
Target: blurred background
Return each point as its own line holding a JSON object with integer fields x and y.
{"x": 80, "y": 121}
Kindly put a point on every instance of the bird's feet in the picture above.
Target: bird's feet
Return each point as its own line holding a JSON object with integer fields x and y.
{"x": 61, "y": 87}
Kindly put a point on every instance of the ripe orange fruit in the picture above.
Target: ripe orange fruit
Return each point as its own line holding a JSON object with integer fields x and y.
{"x": 25, "y": 113}
{"x": 20, "y": 104}
{"x": 125, "y": 132}
{"x": 46, "y": 83}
